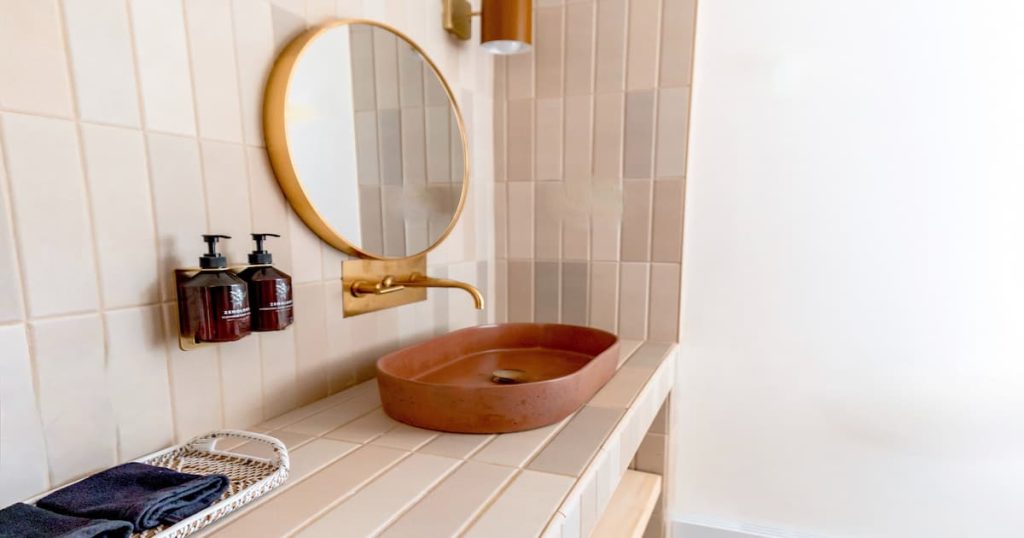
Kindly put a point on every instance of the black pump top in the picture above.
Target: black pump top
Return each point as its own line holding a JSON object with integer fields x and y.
{"x": 213, "y": 259}
{"x": 260, "y": 256}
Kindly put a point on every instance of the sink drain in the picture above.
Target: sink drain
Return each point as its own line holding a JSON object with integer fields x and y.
{"x": 508, "y": 377}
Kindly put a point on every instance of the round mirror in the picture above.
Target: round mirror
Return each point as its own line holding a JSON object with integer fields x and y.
{"x": 366, "y": 140}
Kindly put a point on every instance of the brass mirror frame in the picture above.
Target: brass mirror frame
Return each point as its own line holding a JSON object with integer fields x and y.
{"x": 275, "y": 136}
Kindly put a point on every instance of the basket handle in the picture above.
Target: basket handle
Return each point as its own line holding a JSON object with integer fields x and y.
{"x": 207, "y": 442}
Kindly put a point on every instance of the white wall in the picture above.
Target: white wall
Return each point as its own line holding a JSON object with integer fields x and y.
{"x": 853, "y": 302}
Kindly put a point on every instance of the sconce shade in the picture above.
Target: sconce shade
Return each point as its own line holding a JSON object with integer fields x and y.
{"x": 506, "y": 26}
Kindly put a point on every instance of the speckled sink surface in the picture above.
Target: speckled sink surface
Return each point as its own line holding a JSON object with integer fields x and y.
{"x": 449, "y": 383}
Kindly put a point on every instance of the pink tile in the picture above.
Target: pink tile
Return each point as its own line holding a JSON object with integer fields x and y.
{"x": 179, "y": 202}
{"x": 549, "y": 152}
{"x": 36, "y": 77}
{"x": 519, "y": 80}
{"x": 225, "y": 174}
{"x": 665, "y": 303}
{"x": 668, "y": 220}
{"x": 524, "y": 507}
{"x": 385, "y": 68}
{"x": 520, "y": 220}
{"x": 137, "y": 366}
{"x": 11, "y": 307}
{"x": 633, "y": 291}
{"x": 414, "y": 158}
{"x": 116, "y": 170}
{"x": 606, "y": 219}
{"x": 610, "y": 56}
{"x": 102, "y": 63}
{"x": 673, "y": 117}
{"x": 269, "y": 208}
{"x": 578, "y": 136}
{"x": 550, "y": 206}
{"x": 636, "y": 220}
{"x": 242, "y": 385}
{"x": 195, "y": 383}
{"x": 162, "y": 57}
{"x": 576, "y": 219}
{"x": 604, "y": 295}
{"x": 548, "y": 51}
{"x": 439, "y": 169}
{"x": 500, "y": 142}
{"x": 639, "y": 135}
{"x": 677, "y": 26}
{"x": 280, "y": 364}
{"x": 608, "y": 134}
{"x": 642, "y": 56}
{"x": 44, "y": 164}
{"x": 501, "y": 220}
{"x": 501, "y": 295}
{"x": 307, "y": 262}
{"x": 575, "y": 287}
{"x": 520, "y": 140}
{"x": 214, "y": 69}
{"x": 78, "y": 418}
{"x": 520, "y": 291}
{"x": 581, "y": 18}
{"x": 254, "y": 48}
{"x": 546, "y": 292}
{"x": 23, "y": 469}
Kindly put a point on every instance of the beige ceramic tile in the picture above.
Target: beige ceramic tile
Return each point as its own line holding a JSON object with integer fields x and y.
{"x": 214, "y": 69}
{"x": 677, "y": 26}
{"x": 610, "y": 56}
{"x": 23, "y": 469}
{"x": 639, "y": 135}
{"x": 501, "y": 220}
{"x": 226, "y": 178}
{"x": 136, "y": 365}
{"x": 579, "y": 47}
{"x": 604, "y": 295}
{"x": 650, "y": 457}
{"x": 456, "y": 445}
{"x": 269, "y": 208}
{"x": 620, "y": 391}
{"x": 642, "y": 56}
{"x": 122, "y": 213}
{"x": 366, "y": 147}
{"x": 608, "y": 135}
{"x": 575, "y": 285}
{"x": 633, "y": 293}
{"x": 242, "y": 396}
{"x": 667, "y": 243}
{"x": 364, "y": 429}
{"x": 589, "y": 515}
{"x": 547, "y": 295}
{"x": 515, "y": 449}
{"x": 571, "y": 511}
{"x": 414, "y": 159}
{"x": 179, "y": 202}
{"x": 636, "y": 220}
{"x": 102, "y": 64}
{"x": 664, "y": 322}
{"x": 290, "y": 510}
{"x": 307, "y": 261}
{"x": 449, "y": 507}
{"x": 385, "y": 64}
{"x": 524, "y": 508}
{"x": 45, "y": 171}
{"x": 572, "y": 448}
{"x": 520, "y": 75}
{"x": 520, "y": 220}
{"x": 335, "y": 417}
{"x": 195, "y": 383}
{"x": 310, "y": 457}
{"x": 310, "y": 340}
{"x": 550, "y": 206}
{"x": 605, "y": 222}
{"x": 74, "y": 399}
{"x": 660, "y": 423}
{"x": 549, "y": 152}
{"x": 292, "y": 441}
{"x": 578, "y": 136}
{"x": 673, "y": 115}
{"x": 520, "y": 139}
{"x": 162, "y": 57}
{"x": 254, "y": 49}
{"x": 410, "y": 77}
{"x": 405, "y": 437}
{"x": 371, "y": 509}
{"x": 608, "y": 473}
{"x": 281, "y": 366}
{"x": 548, "y": 51}
{"x": 306, "y": 411}
{"x": 389, "y": 134}
{"x": 500, "y": 144}
{"x": 10, "y": 288}
{"x": 650, "y": 355}
{"x": 439, "y": 168}
{"x": 520, "y": 291}
{"x": 501, "y": 295}
{"x": 36, "y": 77}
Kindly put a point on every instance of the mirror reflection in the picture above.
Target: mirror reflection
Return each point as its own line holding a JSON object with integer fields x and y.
{"x": 375, "y": 140}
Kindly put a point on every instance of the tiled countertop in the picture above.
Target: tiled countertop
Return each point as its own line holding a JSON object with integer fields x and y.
{"x": 355, "y": 472}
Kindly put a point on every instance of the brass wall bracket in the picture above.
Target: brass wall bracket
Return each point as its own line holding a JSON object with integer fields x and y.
{"x": 457, "y": 18}
{"x": 361, "y": 291}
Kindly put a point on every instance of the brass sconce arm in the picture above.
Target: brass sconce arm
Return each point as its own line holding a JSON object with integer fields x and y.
{"x": 417, "y": 280}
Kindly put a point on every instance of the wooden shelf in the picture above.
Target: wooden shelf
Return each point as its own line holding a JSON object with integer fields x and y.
{"x": 630, "y": 507}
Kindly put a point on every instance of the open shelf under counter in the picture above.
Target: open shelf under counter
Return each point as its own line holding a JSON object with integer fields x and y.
{"x": 356, "y": 472}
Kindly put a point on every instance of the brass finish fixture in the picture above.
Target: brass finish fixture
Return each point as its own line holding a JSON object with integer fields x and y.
{"x": 276, "y": 137}
{"x": 364, "y": 290}
{"x": 506, "y": 26}
{"x": 418, "y": 280}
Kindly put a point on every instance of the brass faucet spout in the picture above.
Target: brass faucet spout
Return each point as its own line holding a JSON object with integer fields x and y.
{"x": 417, "y": 280}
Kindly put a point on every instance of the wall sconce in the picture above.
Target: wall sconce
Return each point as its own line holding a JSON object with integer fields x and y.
{"x": 506, "y": 25}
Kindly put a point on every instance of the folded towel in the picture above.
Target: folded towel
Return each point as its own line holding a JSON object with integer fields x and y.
{"x": 144, "y": 495}
{"x": 24, "y": 521}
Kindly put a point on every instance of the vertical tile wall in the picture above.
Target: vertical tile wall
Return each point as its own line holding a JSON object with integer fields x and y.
{"x": 127, "y": 129}
{"x": 590, "y": 157}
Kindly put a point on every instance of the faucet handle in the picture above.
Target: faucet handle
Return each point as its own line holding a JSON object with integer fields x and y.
{"x": 386, "y": 285}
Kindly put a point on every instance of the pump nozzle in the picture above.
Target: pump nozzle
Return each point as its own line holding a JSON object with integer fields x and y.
{"x": 261, "y": 256}
{"x": 213, "y": 259}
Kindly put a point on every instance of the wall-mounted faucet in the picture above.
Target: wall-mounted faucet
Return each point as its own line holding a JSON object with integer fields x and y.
{"x": 390, "y": 284}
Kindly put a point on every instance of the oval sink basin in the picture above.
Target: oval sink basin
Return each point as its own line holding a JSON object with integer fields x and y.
{"x": 497, "y": 378}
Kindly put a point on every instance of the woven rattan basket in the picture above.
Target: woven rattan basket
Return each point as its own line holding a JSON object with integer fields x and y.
{"x": 250, "y": 476}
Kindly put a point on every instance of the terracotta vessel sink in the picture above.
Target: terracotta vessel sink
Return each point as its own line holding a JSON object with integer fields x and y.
{"x": 497, "y": 378}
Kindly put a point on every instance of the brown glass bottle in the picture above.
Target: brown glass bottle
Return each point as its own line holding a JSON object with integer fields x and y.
{"x": 217, "y": 300}
{"x": 270, "y": 290}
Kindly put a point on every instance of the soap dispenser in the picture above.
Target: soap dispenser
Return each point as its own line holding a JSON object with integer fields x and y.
{"x": 217, "y": 300}
{"x": 270, "y": 290}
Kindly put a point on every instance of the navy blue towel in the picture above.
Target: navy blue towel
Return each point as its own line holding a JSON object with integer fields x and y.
{"x": 144, "y": 495}
{"x": 24, "y": 521}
